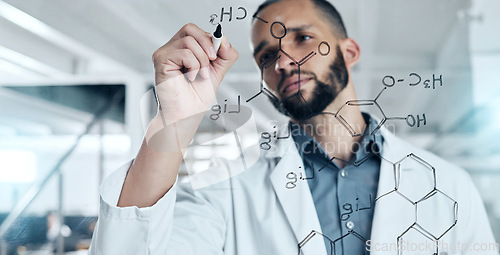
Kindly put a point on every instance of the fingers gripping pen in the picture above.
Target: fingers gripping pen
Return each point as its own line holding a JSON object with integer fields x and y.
{"x": 217, "y": 37}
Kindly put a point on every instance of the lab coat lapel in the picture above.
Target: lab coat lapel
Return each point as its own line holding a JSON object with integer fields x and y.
{"x": 389, "y": 220}
{"x": 297, "y": 202}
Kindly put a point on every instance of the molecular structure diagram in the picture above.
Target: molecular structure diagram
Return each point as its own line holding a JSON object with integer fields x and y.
{"x": 333, "y": 243}
{"x": 292, "y": 176}
{"x": 422, "y": 200}
{"x": 340, "y": 115}
{"x": 417, "y": 203}
{"x": 278, "y": 31}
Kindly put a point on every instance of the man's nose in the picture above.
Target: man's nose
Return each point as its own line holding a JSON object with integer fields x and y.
{"x": 284, "y": 64}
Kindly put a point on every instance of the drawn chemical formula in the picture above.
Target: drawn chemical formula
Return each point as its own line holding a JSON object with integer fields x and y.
{"x": 267, "y": 138}
{"x": 416, "y": 79}
{"x": 239, "y": 14}
{"x": 217, "y": 109}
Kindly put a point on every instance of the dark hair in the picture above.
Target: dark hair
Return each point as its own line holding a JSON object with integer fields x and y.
{"x": 326, "y": 9}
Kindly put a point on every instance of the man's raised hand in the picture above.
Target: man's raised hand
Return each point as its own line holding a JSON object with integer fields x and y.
{"x": 188, "y": 72}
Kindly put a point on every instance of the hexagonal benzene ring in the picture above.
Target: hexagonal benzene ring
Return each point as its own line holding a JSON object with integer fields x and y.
{"x": 416, "y": 241}
{"x": 437, "y": 214}
{"x": 268, "y": 63}
{"x": 415, "y": 178}
{"x": 398, "y": 207}
{"x": 310, "y": 236}
{"x": 336, "y": 247}
{"x": 345, "y": 119}
{"x": 263, "y": 89}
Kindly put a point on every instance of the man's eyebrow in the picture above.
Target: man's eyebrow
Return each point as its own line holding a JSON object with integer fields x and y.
{"x": 260, "y": 47}
{"x": 291, "y": 30}
{"x": 298, "y": 29}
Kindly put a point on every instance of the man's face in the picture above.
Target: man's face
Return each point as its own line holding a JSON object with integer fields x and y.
{"x": 320, "y": 79}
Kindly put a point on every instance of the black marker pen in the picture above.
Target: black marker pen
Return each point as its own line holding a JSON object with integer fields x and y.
{"x": 217, "y": 38}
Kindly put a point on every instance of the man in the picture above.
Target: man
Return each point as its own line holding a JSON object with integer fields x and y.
{"x": 144, "y": 210}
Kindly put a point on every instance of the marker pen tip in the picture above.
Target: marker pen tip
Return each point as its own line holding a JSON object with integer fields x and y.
{"x": 218, "y": 32}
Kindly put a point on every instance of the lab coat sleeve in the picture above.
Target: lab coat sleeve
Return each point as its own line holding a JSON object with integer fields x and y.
{"x": 475, "y": 225}
{"x": 181, "y": 222}
{"x": 131, "y": 230}
{"x": 199, "y": 227}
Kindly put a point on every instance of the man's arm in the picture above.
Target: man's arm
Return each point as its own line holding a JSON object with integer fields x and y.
{"x": 188, "y": 72}
{"x": 137, "y": 201}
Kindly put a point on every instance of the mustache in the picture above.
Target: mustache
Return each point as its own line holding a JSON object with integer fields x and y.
{"x": 285, "y": 76}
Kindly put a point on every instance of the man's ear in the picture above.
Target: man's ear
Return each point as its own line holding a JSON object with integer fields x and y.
{"x": 351, "y": 51}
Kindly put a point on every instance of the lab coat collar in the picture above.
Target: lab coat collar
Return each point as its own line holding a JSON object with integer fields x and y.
{"x": 297, "y": 202}
{"x": 388, "y": 223}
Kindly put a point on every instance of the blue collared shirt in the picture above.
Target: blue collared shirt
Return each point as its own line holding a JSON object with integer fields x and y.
{"x": 344, "y": 197}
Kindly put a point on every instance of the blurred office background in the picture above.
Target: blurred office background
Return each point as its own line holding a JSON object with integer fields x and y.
{"x": 73, "y": 73}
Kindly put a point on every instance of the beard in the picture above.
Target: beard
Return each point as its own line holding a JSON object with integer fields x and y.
{"x": 323, "y": 94}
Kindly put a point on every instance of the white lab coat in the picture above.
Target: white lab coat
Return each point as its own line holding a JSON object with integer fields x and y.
{"x": 254, "y": 213}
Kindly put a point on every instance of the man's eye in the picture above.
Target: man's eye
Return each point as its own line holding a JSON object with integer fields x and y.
{"x": 304, "y": 37}
{"x": 264, "y": 57}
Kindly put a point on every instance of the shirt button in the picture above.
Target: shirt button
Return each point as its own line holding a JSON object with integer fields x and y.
{"x": 350, "y": 225}
{"x": 343, "y": 173}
